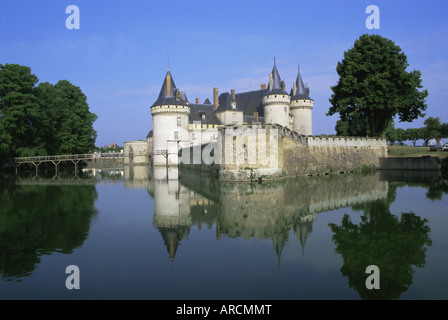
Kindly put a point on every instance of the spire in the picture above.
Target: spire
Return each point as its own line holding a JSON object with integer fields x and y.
{"x": 302, "y": 92}
{"x": 168, "y": 87}
{"x": 275, "y": 82}
{"x": 168, "y": 92}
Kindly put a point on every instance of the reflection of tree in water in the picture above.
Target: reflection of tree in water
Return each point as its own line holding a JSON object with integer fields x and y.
{"x": 394, "y": 244}
{"x": 38, "y": 220}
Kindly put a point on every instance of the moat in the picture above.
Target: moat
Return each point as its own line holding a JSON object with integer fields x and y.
{"x": 134, "y": 234}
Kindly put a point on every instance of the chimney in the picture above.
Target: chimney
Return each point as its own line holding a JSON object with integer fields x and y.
{"x": 197, "y": 100}
{"x": 232, "y": 92}
{"x": 283, "y": 85}
{"x": 177, "y": 94}
{"x": 215, "y": 98}
{"x": 263, "y": 86}
{"x": 271, "y": 81}
{"x": 294, "y": 89}
{"x": 168, "y": 84}
{"x": 256, "y": 115}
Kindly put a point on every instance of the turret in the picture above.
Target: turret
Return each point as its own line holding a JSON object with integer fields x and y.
{"x": 301, "y": 107}
{"x": 170, "y": 123}
{"x": 276, "y": 100}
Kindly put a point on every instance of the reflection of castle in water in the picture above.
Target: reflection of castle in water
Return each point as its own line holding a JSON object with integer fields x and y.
{"x": 260, "y": 211}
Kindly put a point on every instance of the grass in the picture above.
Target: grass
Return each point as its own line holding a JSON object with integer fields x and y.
{"x": 407, "y": 151}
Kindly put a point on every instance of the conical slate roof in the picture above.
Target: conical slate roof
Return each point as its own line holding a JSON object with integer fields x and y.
{"x": 168, "y": 91}
{"x": 276, "y": 82}
{"x": 302, "y": 92}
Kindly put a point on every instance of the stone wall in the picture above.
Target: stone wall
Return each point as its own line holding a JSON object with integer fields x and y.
{"x": 267, "y": 152}
{"x": 316, "y": 155}
{"x": 136, "y": 152}
{"x": 411, "y": 163}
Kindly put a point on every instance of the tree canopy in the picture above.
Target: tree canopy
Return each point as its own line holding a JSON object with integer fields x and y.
{"x": 43, "y": 120}
{"x": 374, "y": 87}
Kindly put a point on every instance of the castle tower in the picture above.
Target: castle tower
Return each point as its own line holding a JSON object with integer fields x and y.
{"x": 276, "y": 100}
{"x": 170, "y": 123}
{"x": 301, "y": 107}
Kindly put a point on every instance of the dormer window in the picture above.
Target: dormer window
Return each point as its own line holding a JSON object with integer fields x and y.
{"x": 202, "y": 115}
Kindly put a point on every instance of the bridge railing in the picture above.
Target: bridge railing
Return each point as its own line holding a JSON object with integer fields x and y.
{"x": 76, "y": 157}
{"x": 55, "y": 158}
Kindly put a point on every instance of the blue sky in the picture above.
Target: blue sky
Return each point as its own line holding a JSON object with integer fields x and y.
{"x": 119, "y": 56}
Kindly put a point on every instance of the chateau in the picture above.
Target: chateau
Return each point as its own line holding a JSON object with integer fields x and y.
{"x": 175, "y": 119}
{"x": 260, "y": 134}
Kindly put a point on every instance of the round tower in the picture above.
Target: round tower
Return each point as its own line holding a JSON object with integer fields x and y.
{"x": 276, "y": 101}
{"x": 301, "y": 108}
{"x": 170, "y": 123}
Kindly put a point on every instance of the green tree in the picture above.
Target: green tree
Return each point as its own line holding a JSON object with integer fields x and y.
{"x": 424, "y": 132}
{"x": 374, "y": 83}
{"x": 413, "y": 134}
{"x": 392, "y": 135}
{"x": 68, "y": 122}
{"x": 352, "y": 125}
{"x": 42, "y": 120}
{"x": 19, "y": 113}
{"x": 434, "y": 127}
{"x": 401, "y": 135}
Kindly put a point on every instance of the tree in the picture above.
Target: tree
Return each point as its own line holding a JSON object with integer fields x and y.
{"x": 19, "y": 113}
{"x": 424, "y": 132}
{"x": 352, "y": 125}
{"x": 42, "y": 120}
{"x": 401, "y": 135}
{"x": 444, "y": 130}
{"x": 434, "y": 127}
{"x": 413, "y": 134}
{"x": 375, "y": 85}
{"x": 69, "y": 122}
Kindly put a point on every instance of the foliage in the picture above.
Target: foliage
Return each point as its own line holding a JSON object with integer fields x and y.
{"x": 42, "y": 120}
{"x": 413, "y": 134}
{"x": 394, "y": 244}
{"x": 69, "y": 123}
{"x": 352, "y": 126}
{"x": 374, "y": 87}
{"x": 434, "y": 129}
{"x": 19, "y": 112}
{"x": 38, "y": 220}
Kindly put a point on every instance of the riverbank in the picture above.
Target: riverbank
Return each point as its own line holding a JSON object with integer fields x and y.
{"x": 409, "y": 151}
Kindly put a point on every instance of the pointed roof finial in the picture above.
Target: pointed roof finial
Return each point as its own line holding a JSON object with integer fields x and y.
{"x": 168, "y": 57}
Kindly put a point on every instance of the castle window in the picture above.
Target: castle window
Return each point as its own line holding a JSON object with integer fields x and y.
{"x": 194, "y": 135}
{"x": 178, "y": 121}
{"x": 176, "y": 135}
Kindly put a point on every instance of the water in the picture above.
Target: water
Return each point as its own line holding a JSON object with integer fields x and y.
{"x": 133, "y": 234}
